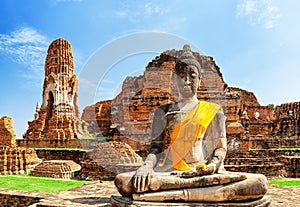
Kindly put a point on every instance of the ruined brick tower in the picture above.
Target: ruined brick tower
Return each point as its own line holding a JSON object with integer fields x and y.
{"x": 56, "y": 117}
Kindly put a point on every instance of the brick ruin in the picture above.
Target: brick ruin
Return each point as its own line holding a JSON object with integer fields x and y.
{"x": 56, "y": 117}
{"x": 98, "y": 118}
{"x": 108, "y": 159}
{"x": 65, "y": 169}
{"x": 287, "y": 122}
{"x": 7, "y": 133}
{"x": 17, "y": 160}
{"x": 13, "y": 159}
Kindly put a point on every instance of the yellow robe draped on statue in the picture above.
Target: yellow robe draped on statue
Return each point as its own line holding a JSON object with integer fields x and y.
{"x": 188, "y": 131}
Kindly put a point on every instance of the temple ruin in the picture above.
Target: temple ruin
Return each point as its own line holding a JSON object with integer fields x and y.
{"x": 56, "y": 117}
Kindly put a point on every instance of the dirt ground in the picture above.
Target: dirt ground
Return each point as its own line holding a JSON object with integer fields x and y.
{"x": 98, "y": 194}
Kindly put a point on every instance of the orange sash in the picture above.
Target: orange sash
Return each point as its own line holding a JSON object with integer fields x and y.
{"x": 188, "y": 130}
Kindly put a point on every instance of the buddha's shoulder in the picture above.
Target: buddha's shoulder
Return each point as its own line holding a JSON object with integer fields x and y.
{"x": 170, "y": 107}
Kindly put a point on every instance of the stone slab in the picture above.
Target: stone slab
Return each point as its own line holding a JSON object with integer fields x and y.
{"x": 118, "y": 201}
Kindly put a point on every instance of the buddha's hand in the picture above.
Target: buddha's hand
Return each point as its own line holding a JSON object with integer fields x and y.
{"x": 199, "y": 170}
{"x": 142, "y": 177}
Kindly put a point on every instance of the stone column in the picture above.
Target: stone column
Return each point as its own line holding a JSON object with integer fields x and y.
{"x": 8, "y": 161}
{"x": 14, "y": 162}
{"x": 3, "y": 161}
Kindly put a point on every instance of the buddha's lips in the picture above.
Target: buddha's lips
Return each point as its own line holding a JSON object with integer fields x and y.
{"x": 187, "y": 88}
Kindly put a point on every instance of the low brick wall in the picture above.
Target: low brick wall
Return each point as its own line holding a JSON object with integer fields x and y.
{"x": 103, "y": 162}
{"x": 274, "y": 170}
{"x": 61, "y": 143}
{"x": 96, "y": 170}
{"x": 292, "y": 165}
{"x": 75, "y": 155}
{"x": 272, "y": 163}
{"x": 262, "y": 153}
{"x": 266, "y": 142}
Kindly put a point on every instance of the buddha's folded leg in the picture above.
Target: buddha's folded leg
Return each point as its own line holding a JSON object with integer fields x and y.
{"x": 255, "y": 186}
{"x": 123, "y": 182}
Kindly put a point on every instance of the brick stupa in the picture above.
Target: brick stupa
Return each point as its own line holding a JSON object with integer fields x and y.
{"x": 56, "y": 117}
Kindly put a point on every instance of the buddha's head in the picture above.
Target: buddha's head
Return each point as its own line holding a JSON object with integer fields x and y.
{"x": 187, "y": 74}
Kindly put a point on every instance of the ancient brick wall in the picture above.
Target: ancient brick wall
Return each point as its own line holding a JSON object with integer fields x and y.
{"x": 108, "y": 159}
{"x": 7, "y": 133}
{"x": 75, "y": 155}
{"x": 273, "y": 142}
{"x": 15, "y": 160}
{"x": 292, "y": 165}
{"x": 104, "y": 161}
{"x": 272, "y": 163}
{"x": 98, "y": 118}
{"x": 61, "y": 143}
{"x": 287, "y": 120}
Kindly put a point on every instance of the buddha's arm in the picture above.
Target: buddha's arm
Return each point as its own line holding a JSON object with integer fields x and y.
{"x": 219, "y": 128}
{"x": 218, "y": 157}
{"x": 142, "y": 177}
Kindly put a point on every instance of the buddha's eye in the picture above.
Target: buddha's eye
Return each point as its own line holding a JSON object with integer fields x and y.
{"x": 181, "y": 74}
{"x": 193, "y": 75}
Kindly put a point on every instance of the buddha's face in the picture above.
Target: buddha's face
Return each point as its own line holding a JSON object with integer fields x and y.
{"x": 187, "y": 80}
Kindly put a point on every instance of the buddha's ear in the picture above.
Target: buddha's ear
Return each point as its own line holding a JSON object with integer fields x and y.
{"x": 200, "y": 81}
{"x": 174, "y": 77}
{"x": 199, "y": 85}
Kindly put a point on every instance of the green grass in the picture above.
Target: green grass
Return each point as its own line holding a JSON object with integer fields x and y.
{"x": 61, "y": 148}
{"x": 37, "y": 184}
{"x": 294, "y": 148}
{"x": 284, "y": 148}
{"x": 285, "y": 182}
{"x": 96, "y": 138}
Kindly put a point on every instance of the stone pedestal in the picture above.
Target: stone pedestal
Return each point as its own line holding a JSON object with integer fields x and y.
{"x": 118, "y": 201}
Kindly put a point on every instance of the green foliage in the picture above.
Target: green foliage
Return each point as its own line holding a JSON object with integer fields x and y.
{"x": 272, "y": 106}
{"x": 285, "y": 182}
{"x": 37, "y": 184}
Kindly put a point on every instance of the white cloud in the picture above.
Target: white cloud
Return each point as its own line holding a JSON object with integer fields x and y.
{"x": 259, "y": 12}
{"x": 58, "y": 1}
{"x": 121, "y": 14}
{"x": 151, "y": 9}
{"x": 135, "y": 12}
{"x": 27, "y": 47}
{"x": 246, "y": 7}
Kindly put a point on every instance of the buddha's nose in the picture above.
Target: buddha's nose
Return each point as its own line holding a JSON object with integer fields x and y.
{"x": 187, "y": 80}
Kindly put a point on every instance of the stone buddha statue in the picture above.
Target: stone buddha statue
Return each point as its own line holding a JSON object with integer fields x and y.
{"x": 185, "y": 162}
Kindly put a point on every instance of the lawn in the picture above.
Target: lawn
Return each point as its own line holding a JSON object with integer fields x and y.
{"x": 293, "y": 148}
{"x": 285, "y": 182}
{"x": 37, "y": 184}
{"x": 61, "y": 148}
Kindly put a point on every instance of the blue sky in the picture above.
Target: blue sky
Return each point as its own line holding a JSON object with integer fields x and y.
{"x": 255, "y": 42}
